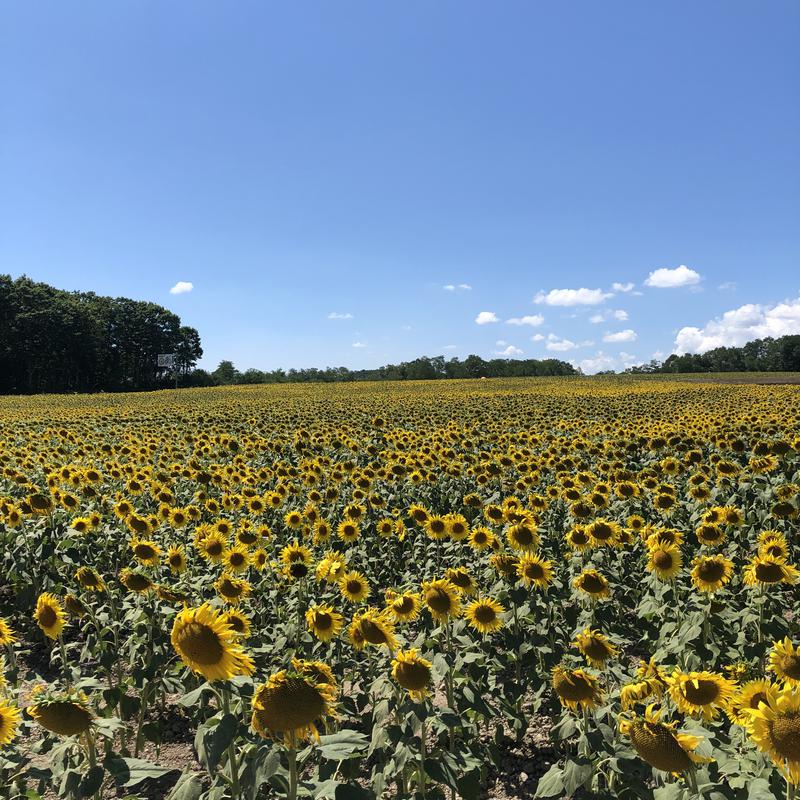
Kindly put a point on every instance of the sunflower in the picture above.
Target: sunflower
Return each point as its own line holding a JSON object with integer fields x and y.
{"x": 259, "y": 559}
{"x": 604, "y": 533}
{"x": 89, "y": 580}
{"x": 441, "y": 597}
{"x": 485, "y": 615}
{"x": 49, "y": 615}
{"x": 170, "y": 595}
{"x": 457, "y": 527}
{"x": 404, "y": 607}
{"x": 331, "y": 567}
{"x": 176, "y": 559}
{"x": 208, "y": 644}
{"x": 462, "y": 579}
{"x": 480, "y": 538}
{"x": 6, "y": 633}
{"x": 373, "y": 627}
{"x": 784, "y": 661}
{"x": 413, "y": 673}
{"x": 212, "y": 547}
{"x": 348, "y": 530}
{"x": 236, "y": 559}
{"x": 237, "y": 620}
{"x": 771, "y": 543}
{"x": 386, "y": 527}
{"x": 323, "y": 622}
{"x": 711, "y": 573}
{"x": 505, "y": 564}
{"x": 146, "y": 551}
{"x": 436, "y": 527}
{"x": 10, "y": 717}
{"x": 74, "y": 606}
{"x": 535, "y": 571}
{"x": 578, "y": 539}
{"x": 769, "y": 570}
{"x": 659, "y": 744}
{"x": 664, "y": 561}
{"x": 354, "y": 587}
{"x": 293, "y": 519}
{"x": 65, "y": 713}
{"x": 523, "y": 536}
{"x": 419, "y": 514}
{"x": 774, "y": 727}
{"x": 576, "y": 687}
{"x": 747, "y": 697}
{"x": 135, "y": 581}
{"x": 592, "y": 583}
{"x": 637, "y": 692}
{"x": 700, "y": 693}
{"x": 231, "y": 590}
{"x": 291, "y": 702}
{"x": 594, "y": 647}
{"x": 294, "y": 553}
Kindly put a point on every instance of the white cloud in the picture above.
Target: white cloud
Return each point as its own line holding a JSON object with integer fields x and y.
{"x": 486, "y": 317}
{"x": 450, "y": 347}
{"x": 599, "y": 363}
{"x": 337, "y": 315}
{"x": 559, "y": 345}
{"x": 182, "y": 287}
{"x": 465, "y": 287}
{"x": 533, "y": 320}
{"x": 618, "y": 314}
{"x": 537, "y": 337}
{"x": 509, "y": 351}
{"x": 572, "y": 297}
{"x": 727, "y": 286}
{"x": 451, "y": 287}
{"x": 620, "y": 336}
{"x": 741, "y": 325}
{"x": 665, "y": 278}
{"x": 359, "y": 344}
{"x": 501, "y": 343}
{"x": 622, "y": 287}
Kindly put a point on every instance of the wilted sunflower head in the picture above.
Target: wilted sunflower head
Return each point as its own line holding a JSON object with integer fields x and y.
{"x": 373, "y": 627}
{"x": 135, "y": 581}
{"x": 207, "y": 643}
{"x": 292, "y": 702}
{"x": 413, "y": 673}
{"x": 89, "y": 580}
{"x": 66, "y": 713}
{"x": 576, "y": 688}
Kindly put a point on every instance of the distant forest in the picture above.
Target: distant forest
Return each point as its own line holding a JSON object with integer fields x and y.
{"x": 760, "y": 355}
{"x": 57, "y": 341}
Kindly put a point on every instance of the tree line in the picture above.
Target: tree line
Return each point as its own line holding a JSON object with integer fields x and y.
{"x": 52, "y": 340}
{"x": 760, "y": 355}
{"x": 424, "y": 368}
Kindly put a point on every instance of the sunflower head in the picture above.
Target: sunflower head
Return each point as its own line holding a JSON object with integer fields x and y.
{"x": 485, "y": 615}
{"x": 535, "y": 571}
{"x": 701, "y": 694}
{"x": 89, "y": 580}
{"x": 774, "y": 728}
{"x": 576, "y": 688}
{"x": 711, "y": 573}
{"x": 66, "y": 713}
{"x": 323, "y": 622}
{"x": 372, "y": 627}
{"x": 594, "y": 647}
{"x": 403, "y": 607}
{"x": 593, "y": 584}
{"x": 354, "y": 587}
{"x": 441, "y": 598}
{"x": 784, "y": 661}
{"x": 49, "y": 615}
{"x": 413, "y": 673}
{"x": 747, "y": 698}
{"x": 766, "y": 570}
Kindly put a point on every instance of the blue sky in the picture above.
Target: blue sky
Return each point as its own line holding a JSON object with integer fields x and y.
{"x": 297, "y": 160}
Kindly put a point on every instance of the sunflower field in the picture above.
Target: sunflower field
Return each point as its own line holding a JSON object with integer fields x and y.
{"x": 455, "y": 589}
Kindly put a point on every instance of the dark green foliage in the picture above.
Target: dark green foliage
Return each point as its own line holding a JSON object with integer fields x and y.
{"x": 57, "y": 341}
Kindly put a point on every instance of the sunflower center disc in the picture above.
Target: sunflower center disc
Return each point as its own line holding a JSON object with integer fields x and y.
{"x": 786, "y": 736}
{"x": 702, "y": 694}
{"x": 413, "y": 676}
{"x": 201, "y": 644}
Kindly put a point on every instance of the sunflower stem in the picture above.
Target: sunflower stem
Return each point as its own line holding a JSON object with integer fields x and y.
{"x": 234, "y": 766}
{"x": 292, "y": 753}
{"x": 421, "y": 772}
{"x": 64, "y": 664}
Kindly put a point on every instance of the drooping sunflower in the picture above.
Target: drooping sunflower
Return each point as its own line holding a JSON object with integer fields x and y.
{"x": 784, "y": 661}
{"x": 231, "y": 590}
{"x": 170, "y": 595}
{"x": 6, "y": 633}
{"x": 505, "y": 564}
{"x": 403, "y": 607}
{"x": 441, "y": 598}
{"x": 664, "y": 561}
{"x": 49, "y": 615}
{"x": 293, "y": 702}
{"x": 660, "y": 745}
{"x": 208, "y": 644}
{"x": 485, "y": 615}
{"x": 774, "y": 728}
{"x": 523, "y": 536}
{"x": 372, "y": 626}
{"x": 10, "y": 717}
{"x": 710, "y": 534}
{"x": 702, "y": 694}
{"x": 768, "y": 571}
{"x": 89, "y": 580}
{"x": 595, "y": 647}
{"x": 747, "y": 697}
{"x": 462, "y": 580}
{"x": 636, "y": 692}
{"x": 535, "y": 571}
{"x": 576, "y": 688}
{"x": 146, "y": 552}
{"x": 593, "y": 584}
{"x": 711, "y": 573}
{"x": 323, "y": 622}
{"x": 176, "y": 559}
{"x": 354, "y": 587}
{"x": 135, "y": 581}
{"x": 413, "y": 673}
{"x": 66, "y": 713}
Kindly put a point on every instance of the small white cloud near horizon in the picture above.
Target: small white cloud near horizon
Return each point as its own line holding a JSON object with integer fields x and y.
{"x": 534, "y": 320}
{"x": 622, "y": 287}
{"x": 486, "y": 318}
{"x": 509, "y": 351}
{"x": 452, "y": 287}
{"x": 359, "y": 344}
{"x": 182, "y": 287}
{"x": 559, "y": 345}
{"x": 741, "y": 325}
{"x": 572, "y": 297}
{"x": 666, "y": 278}
{"x": 337, "y": 315}
{"x": 620, "y": 336}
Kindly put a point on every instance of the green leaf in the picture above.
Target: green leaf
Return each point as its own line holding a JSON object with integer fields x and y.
{"x": 193, "y": 698}
{"x": 671, "y": 791}
{"x": 212, "y": 739}
{"x": 758, "y": 789}
{"x": 576, "y": 773}
{"x": 131, "y": 771}
{"x": 188, "y": 787}
{"x": 342, "y": 745}
{"x": 551, "y": 784}
{"x": 92, "y": 781}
